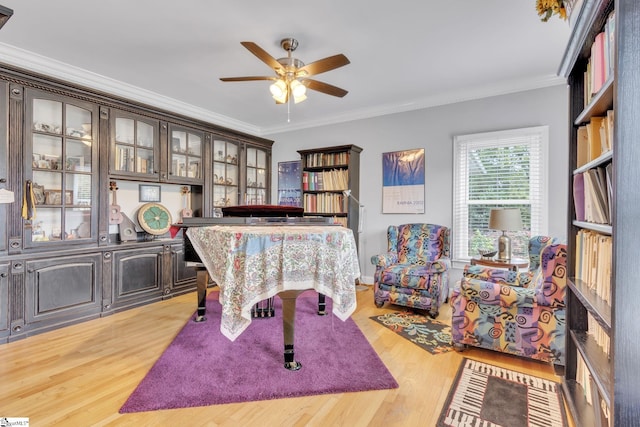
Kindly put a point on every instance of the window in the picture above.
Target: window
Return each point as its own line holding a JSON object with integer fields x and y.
{"x": 498, "y": 169}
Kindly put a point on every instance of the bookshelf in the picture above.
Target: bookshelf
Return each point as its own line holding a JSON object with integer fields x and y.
{"x": 326, "y": 173}
{"x": 601, "y": 63}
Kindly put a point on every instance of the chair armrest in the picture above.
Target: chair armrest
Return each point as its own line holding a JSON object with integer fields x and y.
{"x": 384, "y": 260}
{"x": 488, "y": 293}
{"x": 438, "y": 266}
{"x": 493, "y": 275}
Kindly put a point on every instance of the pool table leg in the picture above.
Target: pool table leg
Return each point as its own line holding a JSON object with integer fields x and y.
{"x": 288, "y": 326}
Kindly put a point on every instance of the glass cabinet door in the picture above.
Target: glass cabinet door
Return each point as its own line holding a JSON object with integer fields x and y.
{"x": 256, "y": 191}
{"x": 225, "y": 173}
{"x": 185, "y": 154}
{"x": 135, "y": 146}
{"x": 60, "y": 166}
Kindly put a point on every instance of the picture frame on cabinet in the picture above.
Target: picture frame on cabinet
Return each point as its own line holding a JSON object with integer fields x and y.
{"x": 74, "y": 163}
{"x": 149, "y": 193}
{"x": 54, "y": 197}
{"x": 38, "y": 194}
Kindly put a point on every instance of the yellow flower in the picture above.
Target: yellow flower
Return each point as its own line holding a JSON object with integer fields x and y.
{"x": 548, "y": 8}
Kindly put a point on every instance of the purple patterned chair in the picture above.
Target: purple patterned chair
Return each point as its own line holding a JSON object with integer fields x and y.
{"x": 414, "y": 272}
{"x": 520, "y": 313}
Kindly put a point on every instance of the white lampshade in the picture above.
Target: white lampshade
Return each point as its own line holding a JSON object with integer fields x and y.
{"x": 505, "y": 219}
{"x": 298, "y": 90}
{"x": 279, "y": 91}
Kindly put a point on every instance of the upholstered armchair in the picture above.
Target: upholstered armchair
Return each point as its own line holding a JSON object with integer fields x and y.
{"x": 414, "y": 272}
{"x": 521, "y": 313}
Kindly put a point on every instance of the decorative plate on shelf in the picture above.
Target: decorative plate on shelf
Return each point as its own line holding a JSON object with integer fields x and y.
{"x": 154, "y": 218}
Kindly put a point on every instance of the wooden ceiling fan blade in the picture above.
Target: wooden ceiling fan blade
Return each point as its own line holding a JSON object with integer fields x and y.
{"x": 263, "y": 55}
{"x": 247, "y": 78}
{"x": 324, "y": 88}
{"x": 323, "y": 65}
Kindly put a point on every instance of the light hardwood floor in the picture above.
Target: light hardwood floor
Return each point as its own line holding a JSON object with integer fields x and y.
{"x": 82, "y": 374}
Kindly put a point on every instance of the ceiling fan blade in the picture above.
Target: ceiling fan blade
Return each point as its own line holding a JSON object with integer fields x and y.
{"x": 247, "y": 79}
{"x": 262, "y": 55}
{"x": 324, "y": 88}
{"x": 323, "y": 65}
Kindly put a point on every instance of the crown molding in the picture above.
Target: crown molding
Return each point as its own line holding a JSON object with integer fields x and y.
{"x": 26, "y": 60}
{"x": 23, "y": 59}
{"x": 462, "y": 95}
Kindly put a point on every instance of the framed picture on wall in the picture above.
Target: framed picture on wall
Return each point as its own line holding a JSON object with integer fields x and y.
{"x": 403, "y": 181}
{"x": 149, "y": 193}
{"x": 290, "y": 183}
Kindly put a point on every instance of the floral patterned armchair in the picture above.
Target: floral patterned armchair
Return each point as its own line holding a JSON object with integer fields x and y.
{"x": 414, "y": 271}
{"x": 521, "y": 313}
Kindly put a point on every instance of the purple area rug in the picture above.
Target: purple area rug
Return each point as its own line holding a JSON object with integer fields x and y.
{"x": 201, "y": 367}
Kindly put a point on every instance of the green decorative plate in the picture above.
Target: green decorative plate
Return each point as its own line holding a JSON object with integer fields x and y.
{"x": 154, "y": 218}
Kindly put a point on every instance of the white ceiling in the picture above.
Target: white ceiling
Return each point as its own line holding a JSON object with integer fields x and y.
{"x": 405, "y": 54}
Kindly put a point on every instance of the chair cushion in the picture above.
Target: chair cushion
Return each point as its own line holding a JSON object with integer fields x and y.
{"x": 411, "y": 275}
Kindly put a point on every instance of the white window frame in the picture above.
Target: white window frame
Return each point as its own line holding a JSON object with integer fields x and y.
{"x": 537, "y": 137}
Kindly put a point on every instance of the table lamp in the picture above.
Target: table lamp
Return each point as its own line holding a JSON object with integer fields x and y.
{"x": 505, "y": 219}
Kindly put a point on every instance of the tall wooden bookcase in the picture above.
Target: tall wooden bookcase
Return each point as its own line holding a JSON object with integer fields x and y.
{"x": 606, "y": 393}
{"x": 326, "y": 173}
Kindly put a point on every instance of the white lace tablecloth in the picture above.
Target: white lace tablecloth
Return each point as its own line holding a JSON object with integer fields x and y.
{"x": 251, "y": 263}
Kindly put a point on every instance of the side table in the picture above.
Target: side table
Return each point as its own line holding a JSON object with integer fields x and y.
{"x": 513, "y": 264}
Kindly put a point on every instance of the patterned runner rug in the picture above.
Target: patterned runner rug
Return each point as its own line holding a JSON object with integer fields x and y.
{"x": 490, "y": 396}
{"x": 431, "y": 335}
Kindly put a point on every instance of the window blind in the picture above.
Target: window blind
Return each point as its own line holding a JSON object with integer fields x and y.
{"x": 498, "y": 169}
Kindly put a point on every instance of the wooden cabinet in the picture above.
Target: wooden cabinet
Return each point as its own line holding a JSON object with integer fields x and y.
{"x": 135, "y": 146}
{"x": 5, "y": 319}
{"x": 62, "y": 261}
{"x": 4, "y": 150}
{"x": 241, "y": 173}
{"x": 61, "y": 290}
{"x": 601, "y": 373}
{"x": 326, "y": 174}
{"x": 186, "y": 150}
{"x": 137, "y": 276}
{"x": 184, "y": 276}
{"x": 60, "y": 165}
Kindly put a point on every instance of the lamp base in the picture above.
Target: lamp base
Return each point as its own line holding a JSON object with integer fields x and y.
{"x": 504, "y": 248}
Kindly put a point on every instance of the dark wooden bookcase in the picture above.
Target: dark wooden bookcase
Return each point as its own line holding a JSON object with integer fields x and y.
{"x": 613, "y": 375}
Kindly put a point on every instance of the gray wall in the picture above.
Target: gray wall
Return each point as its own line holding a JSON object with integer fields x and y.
{"x": 434, "y": 129}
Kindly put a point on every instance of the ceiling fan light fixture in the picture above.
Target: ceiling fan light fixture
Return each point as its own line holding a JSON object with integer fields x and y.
{"x": 279, "y": 91}
{"x": 297, "y": 88}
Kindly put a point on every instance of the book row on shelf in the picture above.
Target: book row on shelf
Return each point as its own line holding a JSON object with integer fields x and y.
{"x": 599, "y": 335}
{"x": 593, "y": 262}
{"x": 125, "y": 161}
{"x": 326, "y": 159}
{"x": 335, "y": 179}
{"x": 601, "y": 63}
{"x": 584, "y": 379}
{"x": 594, "y": 138}
{"x": 324, "y": 203}
{"x": 593, "y": 194}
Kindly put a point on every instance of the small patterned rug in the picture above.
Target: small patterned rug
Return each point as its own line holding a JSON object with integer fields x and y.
{"x": 480, "y": 392}
{"x": 428, "y": 334}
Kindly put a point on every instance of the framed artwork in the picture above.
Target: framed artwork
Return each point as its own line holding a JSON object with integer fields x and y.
{"x": 149, "y": 193}
{"x": 290, "y": 183}
{"x": 403, "y": 178}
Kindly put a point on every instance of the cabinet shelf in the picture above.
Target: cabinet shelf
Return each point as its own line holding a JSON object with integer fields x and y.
{"x": 600, "y": 160}
{"x": 597, "y": 362}
{"x": 599, "y": 309}
{"x": 599, "y": 104}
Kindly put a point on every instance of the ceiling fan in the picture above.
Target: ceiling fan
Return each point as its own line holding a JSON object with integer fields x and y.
{"x": 292, "y": 75}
